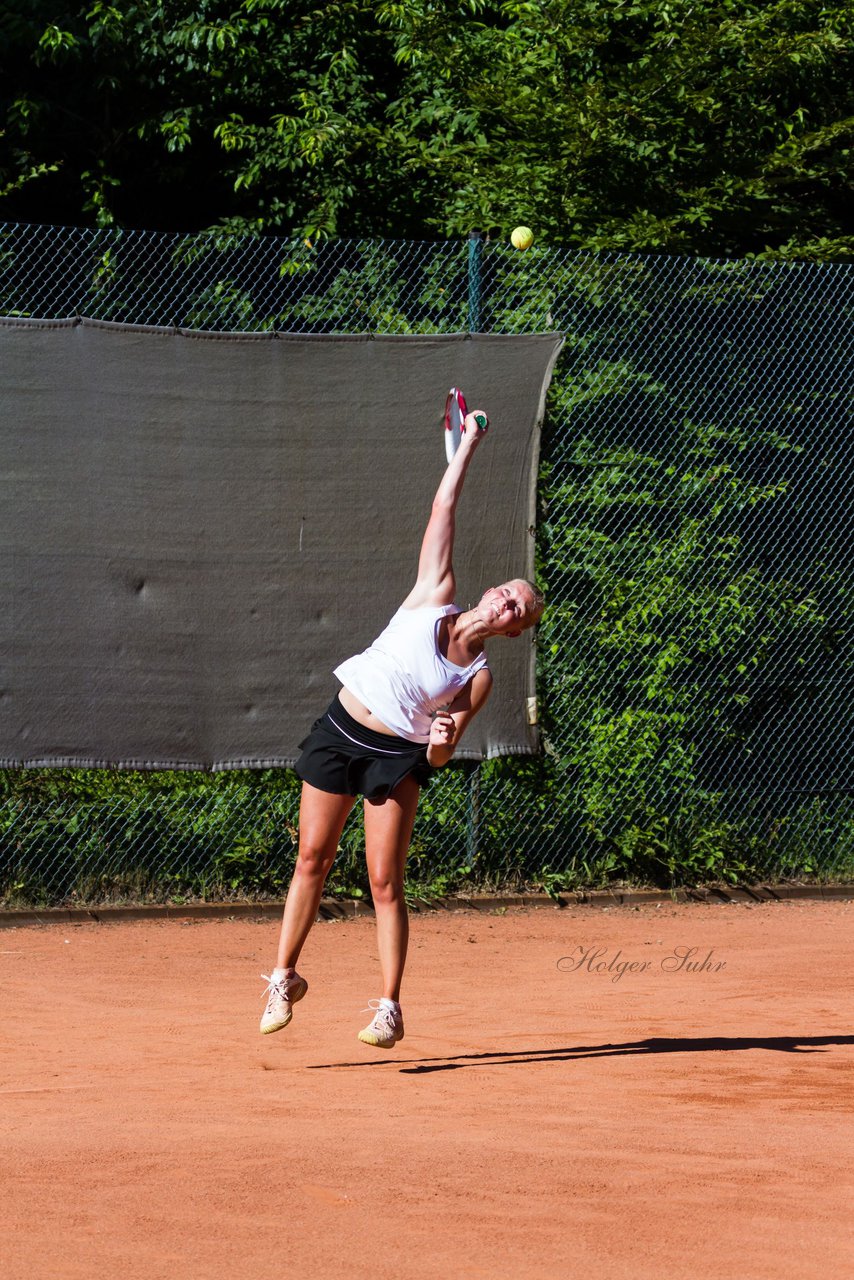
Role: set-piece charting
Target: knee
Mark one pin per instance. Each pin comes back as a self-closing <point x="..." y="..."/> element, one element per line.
<point x="387" y="890"/>
<point x="314" y="860"/>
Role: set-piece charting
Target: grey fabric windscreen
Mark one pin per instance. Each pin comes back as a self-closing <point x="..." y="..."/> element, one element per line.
<point x="195" y="529"/>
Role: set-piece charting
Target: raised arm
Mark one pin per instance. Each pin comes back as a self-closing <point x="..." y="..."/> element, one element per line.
<point x="435" y="583"/>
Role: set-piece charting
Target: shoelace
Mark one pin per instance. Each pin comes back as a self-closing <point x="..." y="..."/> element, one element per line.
<point x="279" y="988"/>
<point x="382" y="1014"/>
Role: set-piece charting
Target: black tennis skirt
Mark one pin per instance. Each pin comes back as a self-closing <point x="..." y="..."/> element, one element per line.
<point x="343" y="757"/>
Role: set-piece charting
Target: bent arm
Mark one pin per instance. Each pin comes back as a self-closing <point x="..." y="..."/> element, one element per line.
<point x="435" y="583"/>
<point x="449" y="726"/>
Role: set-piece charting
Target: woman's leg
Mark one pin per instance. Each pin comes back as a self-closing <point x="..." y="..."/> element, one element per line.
<point x="388" y="831"/>
<point x="321" y="821"/>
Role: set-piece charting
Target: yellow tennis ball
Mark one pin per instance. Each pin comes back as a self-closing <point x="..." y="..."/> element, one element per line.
<point x="522" y="238"/>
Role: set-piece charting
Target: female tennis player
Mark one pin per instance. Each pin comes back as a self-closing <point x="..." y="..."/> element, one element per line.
<point x="403" y="708"/>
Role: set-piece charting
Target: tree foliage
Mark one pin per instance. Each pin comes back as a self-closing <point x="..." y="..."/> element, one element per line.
<point x="680" y="126"/>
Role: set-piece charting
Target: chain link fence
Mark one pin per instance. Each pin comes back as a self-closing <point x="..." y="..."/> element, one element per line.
<point x="695" y="660"/>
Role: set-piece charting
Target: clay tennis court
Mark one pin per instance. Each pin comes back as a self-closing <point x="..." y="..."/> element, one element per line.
<point x="569" y="1100"/>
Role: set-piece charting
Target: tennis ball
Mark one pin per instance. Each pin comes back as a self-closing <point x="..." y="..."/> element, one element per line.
<point x="522" y="238"/>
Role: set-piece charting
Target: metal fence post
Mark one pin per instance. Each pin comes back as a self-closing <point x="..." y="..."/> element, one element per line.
<point x="475" y="255"/>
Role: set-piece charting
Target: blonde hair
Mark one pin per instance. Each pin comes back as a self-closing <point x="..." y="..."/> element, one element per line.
<point x="539" y="601"/>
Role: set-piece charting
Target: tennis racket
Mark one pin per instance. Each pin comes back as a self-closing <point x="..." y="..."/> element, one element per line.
<point x="455" y="416"/>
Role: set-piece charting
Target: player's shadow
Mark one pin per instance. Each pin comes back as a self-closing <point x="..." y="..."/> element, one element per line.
<point x="520" y="1057"/>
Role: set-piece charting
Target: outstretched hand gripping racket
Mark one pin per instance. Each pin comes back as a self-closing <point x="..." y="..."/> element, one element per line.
<point x="455" y="416"/>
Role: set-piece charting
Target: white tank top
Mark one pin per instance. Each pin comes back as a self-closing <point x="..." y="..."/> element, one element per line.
<point x="403" y="677"/>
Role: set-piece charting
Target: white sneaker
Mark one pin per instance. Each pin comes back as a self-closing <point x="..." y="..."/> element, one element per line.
<point x="387" y="1026"/>
<point x="282" y="993"/>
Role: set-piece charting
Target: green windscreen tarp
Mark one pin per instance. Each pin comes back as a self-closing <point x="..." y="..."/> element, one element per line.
<point x="195" y="529"/>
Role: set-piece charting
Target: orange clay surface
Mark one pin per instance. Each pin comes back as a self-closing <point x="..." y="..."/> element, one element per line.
<point x="539" y="1120"/>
